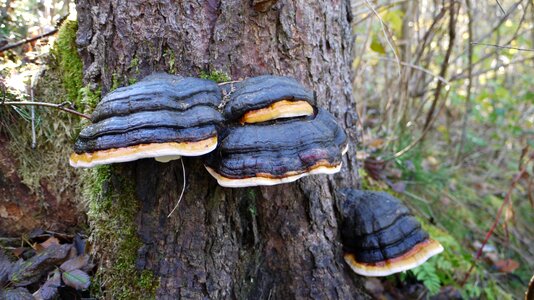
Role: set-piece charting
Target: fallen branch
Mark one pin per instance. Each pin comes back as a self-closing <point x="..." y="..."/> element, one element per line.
<point x="60" y="106"/>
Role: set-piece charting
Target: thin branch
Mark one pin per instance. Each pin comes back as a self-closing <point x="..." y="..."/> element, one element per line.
<point x="183" y="189"/>
<point x="500" y="6"/>
<point x="419" y="68"/>
<point x="423" y="134"/>
<point x="34" y="134"/>
<point x="60" y="106"/>
<point x="445" y="64"/>
<point x="29" y="40"/>
<point x="462" y="76"/>
<point x="469" y="81"/>
<point x="504" y="47"/>
<point x="495" y="28"/>
<point x="385" y="34"/>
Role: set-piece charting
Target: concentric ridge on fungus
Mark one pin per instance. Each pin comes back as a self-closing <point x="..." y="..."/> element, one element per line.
<point x="278" y="152"/>
<point x="163" y="116"/>
<point x="380" y="235"/>
<point x="268" y="97"/>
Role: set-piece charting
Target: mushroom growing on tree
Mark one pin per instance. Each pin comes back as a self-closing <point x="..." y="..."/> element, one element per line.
<point x="380" y="235"/>
<point x="268" y="97"/>
<point x="216" y="246"/>
<point x="276" y="152"/>
<point x="163" y="116"/>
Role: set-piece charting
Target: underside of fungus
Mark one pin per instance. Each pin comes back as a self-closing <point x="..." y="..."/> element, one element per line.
<point x="380" y="235"/>
<point x="268" y="97"/>
<point x="278" y="152"/>
<point x="163" y="117"/>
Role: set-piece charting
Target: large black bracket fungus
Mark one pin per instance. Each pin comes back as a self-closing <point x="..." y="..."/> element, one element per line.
<point x="277" y="152"/>
<point x="380" y="235"/>
<point x="268" y="97"/>
<point x="157" y="92"/>
<point x="163" y="116"/>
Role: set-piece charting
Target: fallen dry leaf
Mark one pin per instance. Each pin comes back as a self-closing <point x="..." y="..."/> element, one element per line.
<point x="49" y="242"/>
<point x="507" y="265"/>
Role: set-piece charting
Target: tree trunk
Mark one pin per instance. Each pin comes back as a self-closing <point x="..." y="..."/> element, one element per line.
<point x="275" y="242"/>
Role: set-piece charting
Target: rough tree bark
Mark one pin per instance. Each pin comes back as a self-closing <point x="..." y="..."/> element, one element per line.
<point x="271" y="242"/>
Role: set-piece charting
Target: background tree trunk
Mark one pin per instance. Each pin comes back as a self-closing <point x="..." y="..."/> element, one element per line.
<point x="271" y="242"/>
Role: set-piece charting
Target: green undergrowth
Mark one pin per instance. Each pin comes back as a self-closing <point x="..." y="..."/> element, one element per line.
<point x="112" y="209"/>
<point x="59" y="82"/>
<point x="457" y="207"/>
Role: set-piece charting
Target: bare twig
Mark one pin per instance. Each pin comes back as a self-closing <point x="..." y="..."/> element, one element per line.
<point x="183" y="189"/>
<point x="421" y="137"/>
<point x="469" y="81"/>
<point x="445" y="64"/>
<point x="385" y="34"/>
<point x="504" y="47"/>
<point x="29" y="40"/>
<point x="59" y="106"/>
<point x="34" y="134"/>
<point x="419" y="68"/>
<point x="500" y="6"/>
<point x="462" y="76"/>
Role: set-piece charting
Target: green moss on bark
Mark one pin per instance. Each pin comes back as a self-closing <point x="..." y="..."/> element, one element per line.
<point x="68" y="61"/>
<point x="217" y="76"/>
<point x="112" y="211"/>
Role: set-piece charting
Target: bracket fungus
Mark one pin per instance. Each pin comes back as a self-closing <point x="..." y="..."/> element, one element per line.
<point x="268" y="97"/>
<point x="380" y="235"/>
<point x="279" y="151"/>
<point x="163" y="116"/>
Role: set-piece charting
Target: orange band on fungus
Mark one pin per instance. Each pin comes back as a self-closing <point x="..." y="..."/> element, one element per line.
<point x="278" y="110"/>
<point x="322" y="167"/>
<point x="415" y="257"/>
<point x="130" y="153"/>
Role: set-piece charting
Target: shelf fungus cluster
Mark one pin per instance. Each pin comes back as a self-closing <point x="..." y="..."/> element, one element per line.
<point x="274" y="135"/>
<point x="162" y="116"/>
<point x="380" y="235"/>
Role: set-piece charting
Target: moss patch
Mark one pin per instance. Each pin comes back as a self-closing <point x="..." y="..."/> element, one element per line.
<point x="217" y="76"/>
<point x="68" y="62"/>
<point x="59" y="83"/>
<point x="112" y="211"/>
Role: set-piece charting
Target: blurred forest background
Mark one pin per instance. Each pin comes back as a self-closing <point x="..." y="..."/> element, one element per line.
<point x="445" y="95"/>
